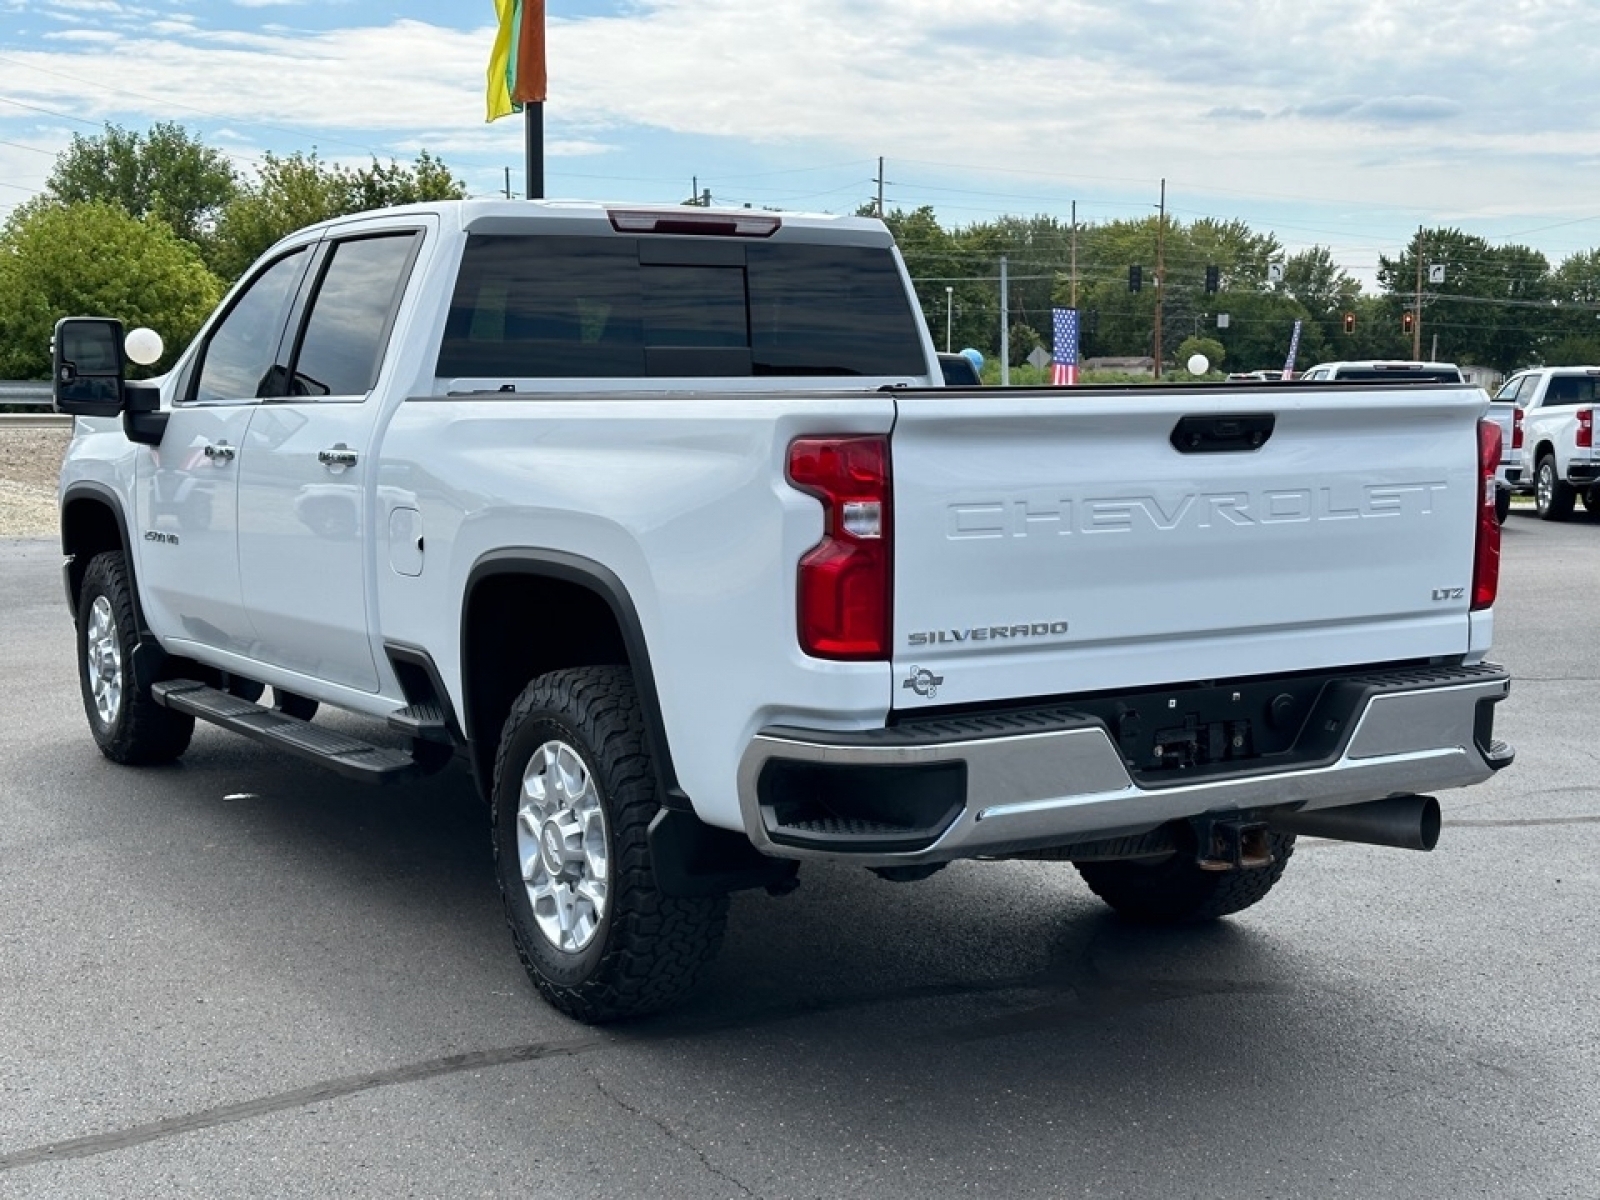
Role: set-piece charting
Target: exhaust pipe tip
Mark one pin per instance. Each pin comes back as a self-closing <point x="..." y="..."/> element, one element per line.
<point x="1403" y="822"/>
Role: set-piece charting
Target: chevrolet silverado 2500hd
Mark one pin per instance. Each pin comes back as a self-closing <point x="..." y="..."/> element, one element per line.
<point x="658" y="520"/>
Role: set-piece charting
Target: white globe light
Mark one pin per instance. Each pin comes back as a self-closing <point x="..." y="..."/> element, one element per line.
<point x="143" y="345"/>
<point x="1199" y="364"/>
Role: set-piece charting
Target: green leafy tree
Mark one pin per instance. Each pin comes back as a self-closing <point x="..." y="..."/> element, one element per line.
<point x="296" y="190"/>
<point x="1574" y="320"/>
<point x="1491" y="309"/>
<point x="1213" y="350"/>
<point x="94" y="259"/>
<point x="165" y="173"/>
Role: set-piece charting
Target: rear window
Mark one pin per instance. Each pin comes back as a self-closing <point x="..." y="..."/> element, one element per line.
<point x="581" y="307"/>
<point x="1398" y="375"/>
<point x="1563" y="390"/>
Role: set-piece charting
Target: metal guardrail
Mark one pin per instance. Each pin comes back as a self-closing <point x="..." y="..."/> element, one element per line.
<point x="29" y="393"/>
<point x="34" y="396"/>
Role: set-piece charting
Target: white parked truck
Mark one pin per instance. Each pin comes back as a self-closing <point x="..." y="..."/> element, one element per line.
<point x="1552" y="414"/>
<point x="659" y="521"/>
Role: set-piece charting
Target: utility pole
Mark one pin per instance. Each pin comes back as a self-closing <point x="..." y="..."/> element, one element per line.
<point x="508" y="183"/>
<point x="694" y="189"/>
<point x="1005" y="326"/>
<point x="880" y="187"/>
<point x="1161" y="248"/>
<point x="1416" y="312"/>
<point x="1075" y="255"/>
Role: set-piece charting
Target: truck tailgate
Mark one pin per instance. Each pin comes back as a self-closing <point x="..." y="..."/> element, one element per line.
<point x="1050" y="542"/>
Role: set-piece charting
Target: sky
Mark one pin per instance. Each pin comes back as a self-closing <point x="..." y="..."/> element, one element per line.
<point x="1337" y="123"/>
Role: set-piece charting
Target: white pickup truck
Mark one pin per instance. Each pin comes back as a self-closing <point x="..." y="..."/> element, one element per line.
<point x="1553" y="437"/>
<point x="659" y="521"/>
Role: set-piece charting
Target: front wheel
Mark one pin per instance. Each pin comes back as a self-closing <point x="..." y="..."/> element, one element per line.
<point x="127" y="724"/>
<point x="1177" y="892"/>
<point x="1552" y="496"/>
<point x="574" y="793"/>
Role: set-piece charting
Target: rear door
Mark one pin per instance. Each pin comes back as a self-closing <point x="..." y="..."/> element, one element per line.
<point x="1067" y="542"/>
<point x="305" y="490"/>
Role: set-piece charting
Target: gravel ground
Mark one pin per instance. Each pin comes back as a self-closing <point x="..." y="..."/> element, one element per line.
<point x="30" y="461"/>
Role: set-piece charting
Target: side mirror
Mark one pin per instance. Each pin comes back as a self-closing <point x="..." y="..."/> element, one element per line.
<point x="87" y="361"/>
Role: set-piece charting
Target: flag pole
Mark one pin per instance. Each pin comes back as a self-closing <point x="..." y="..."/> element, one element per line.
<point x="533" y="125"/>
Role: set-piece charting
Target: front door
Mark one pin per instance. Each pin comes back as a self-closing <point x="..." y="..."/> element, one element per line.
<point x="187" y="488"/>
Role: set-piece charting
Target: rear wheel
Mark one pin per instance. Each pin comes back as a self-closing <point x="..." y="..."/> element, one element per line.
<point x="574" y="793"/>
<point x="127" y="724"/>
<point x="1552" y="496"/>
<point x="1176" y="891"/>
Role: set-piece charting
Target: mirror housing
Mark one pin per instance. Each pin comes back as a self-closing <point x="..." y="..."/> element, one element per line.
<point x="87" y="367"/>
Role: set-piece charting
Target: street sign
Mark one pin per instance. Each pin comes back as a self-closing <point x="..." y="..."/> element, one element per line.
<point x="1039" y="357"/>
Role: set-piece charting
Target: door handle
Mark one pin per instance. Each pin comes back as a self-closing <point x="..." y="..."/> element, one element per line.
<point x="337" y="456"/>
<point x="219" y="452"/>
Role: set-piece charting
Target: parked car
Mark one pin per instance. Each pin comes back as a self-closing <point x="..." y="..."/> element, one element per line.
<point x="1385" y="371"/>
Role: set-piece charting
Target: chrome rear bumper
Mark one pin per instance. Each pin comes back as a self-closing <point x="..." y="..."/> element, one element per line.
<point x="1020" y="781"/>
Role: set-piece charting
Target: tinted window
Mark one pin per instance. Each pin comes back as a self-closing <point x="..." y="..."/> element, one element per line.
<point x="1563" y="390"/>
<point x="345" y="334"/>
<point x="240" y="353"/>
<point x="1397" y="375"/>
<point x="572" y="307"/>
<point x="958" y="371"/>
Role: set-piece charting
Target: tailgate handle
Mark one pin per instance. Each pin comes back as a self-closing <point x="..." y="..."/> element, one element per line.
<point x="1222" y="434"/>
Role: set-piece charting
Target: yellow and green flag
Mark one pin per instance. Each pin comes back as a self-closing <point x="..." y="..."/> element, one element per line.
<point x="516" y="64"/>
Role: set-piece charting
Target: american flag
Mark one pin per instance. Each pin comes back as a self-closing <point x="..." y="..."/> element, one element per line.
<point x="1064" y="362"/>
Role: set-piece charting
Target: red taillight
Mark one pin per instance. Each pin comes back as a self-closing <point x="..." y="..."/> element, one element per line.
<point x="1586" y="428"/>
<point x="1486" y="552"/>
<point x="1516" y="429"/>
<point x="844" y="579"/>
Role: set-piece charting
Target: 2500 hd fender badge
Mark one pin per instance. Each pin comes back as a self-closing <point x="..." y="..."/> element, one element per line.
<point x="986" y="633"/>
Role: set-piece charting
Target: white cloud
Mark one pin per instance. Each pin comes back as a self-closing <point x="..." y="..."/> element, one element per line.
<point x="1476" y="106"/>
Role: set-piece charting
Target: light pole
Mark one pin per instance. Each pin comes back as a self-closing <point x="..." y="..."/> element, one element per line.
<point x="949" y="310"/>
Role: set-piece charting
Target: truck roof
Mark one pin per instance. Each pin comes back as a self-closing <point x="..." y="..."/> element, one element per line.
<point x="594" y="217"/>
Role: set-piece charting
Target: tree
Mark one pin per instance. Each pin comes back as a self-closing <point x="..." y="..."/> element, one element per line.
<point x="1574" y="323"/>
<point x="93" y="258"/>
<point x="1492" y="307"/>
<point x="1208" y="346"/>
<point x="165" y="174"/>
<point x="297" y="190"/>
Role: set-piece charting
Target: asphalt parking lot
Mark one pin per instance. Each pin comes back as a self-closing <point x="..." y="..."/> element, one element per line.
<point x="241" y="976"/>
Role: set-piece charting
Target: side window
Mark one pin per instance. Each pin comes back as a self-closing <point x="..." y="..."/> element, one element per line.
<point x="1512" y="387"/>
<point x="355" y="303"/>
<point x="237" y="363"/>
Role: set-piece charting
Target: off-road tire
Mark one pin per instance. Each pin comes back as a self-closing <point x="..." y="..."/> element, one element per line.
<point x="137" y="731"/>
<point x="1553" y="497"/>
<point x="648" y="950"/>
<point x="1177" y="892"/>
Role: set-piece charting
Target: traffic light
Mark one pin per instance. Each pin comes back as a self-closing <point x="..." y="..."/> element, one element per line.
<point x="1349" y="322"/>
<point x="1212" y="275"/>
<point x="1135" y="278"/>
<point x="1407" y="320"/>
